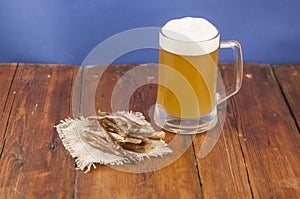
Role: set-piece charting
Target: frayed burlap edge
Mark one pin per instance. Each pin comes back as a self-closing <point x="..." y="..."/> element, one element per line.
<point x="85" y="156"/>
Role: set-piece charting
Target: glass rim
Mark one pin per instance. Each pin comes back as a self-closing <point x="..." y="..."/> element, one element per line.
<point x="191" y="41"/>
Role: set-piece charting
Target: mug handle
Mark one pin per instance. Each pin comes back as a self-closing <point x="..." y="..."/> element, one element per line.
<point x="238" y="68"/>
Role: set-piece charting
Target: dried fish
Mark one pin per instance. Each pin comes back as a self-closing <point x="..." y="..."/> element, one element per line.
<point x="97" y="141"/>
<point x="148" y="134"/>
<point x="111" y="140"/>
<point x="124" y="132"/>
<point x="110" y="125"/>
<point x="132" y="140"/>
<point x="140" y="148"/>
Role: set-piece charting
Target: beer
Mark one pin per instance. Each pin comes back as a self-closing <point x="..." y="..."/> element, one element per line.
<point x="187" y="75"/>
<point x="197" y="99"/>
<point x="188" y="66"/>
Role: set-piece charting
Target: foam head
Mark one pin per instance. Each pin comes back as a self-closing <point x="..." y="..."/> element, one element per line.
<point x="189" y="36"/>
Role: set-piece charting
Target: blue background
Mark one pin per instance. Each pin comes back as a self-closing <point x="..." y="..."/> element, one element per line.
<point x="65" y="31"/>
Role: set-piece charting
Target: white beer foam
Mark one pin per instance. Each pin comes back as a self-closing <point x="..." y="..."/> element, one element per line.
<point x="189" y="36"/>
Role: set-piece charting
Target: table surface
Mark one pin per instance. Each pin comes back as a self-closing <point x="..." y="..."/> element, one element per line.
<point x="256" y="154"/>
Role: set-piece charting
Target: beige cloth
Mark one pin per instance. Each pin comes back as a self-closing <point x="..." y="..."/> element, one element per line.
<point x="69" y="130"/>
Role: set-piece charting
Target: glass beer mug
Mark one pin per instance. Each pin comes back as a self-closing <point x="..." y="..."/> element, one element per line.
<point x="187" y="75"/>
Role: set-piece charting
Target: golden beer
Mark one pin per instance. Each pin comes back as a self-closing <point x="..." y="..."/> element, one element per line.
<point x="193" y="100"/>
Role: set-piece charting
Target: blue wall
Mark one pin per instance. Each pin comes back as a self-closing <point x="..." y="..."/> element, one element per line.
<point x="65" y="31"/>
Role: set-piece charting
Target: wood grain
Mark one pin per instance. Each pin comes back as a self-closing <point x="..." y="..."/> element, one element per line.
<point x="268" y="135"/>
<point x="7" y="73"/>
<point x="256" y="155"/>
<point x="288" y="76"/>
<point x="223" y="171"/>
<point x="34" y="163"/>
<point x="6" y="77"/>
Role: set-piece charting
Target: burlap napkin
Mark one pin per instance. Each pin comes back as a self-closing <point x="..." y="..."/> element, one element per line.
<point x="73" y="131"/>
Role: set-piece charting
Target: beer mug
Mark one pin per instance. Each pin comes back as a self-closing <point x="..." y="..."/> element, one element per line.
<point x="187" y="75"/>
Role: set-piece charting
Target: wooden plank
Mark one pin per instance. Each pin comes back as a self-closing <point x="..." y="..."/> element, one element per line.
<point x="178" y="180"/>
<point x="223" y="171"/>
<point x="7" y="72"/>
<point x="34" y="163"/>
<point x="288" y="76"/>
<point x="268" y="135"/>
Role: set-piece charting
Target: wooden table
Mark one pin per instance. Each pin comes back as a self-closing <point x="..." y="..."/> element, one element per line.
<point x="256" y="156"/>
